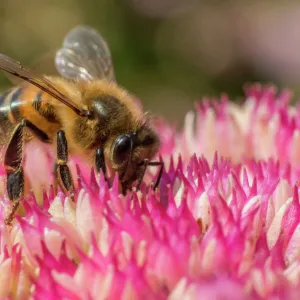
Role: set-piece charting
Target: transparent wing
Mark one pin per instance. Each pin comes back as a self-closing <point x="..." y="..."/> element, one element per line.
<point x="16" y="69"/>
<point x="84" y="55"/>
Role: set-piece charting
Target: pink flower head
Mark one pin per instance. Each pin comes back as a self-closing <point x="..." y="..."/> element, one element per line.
<point x="224" y="223"/>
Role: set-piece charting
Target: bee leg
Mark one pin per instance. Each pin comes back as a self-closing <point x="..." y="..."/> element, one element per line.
<point x="62" y="170"/>
<point x="14" y="171"/>
<point x="161" y="165"/>
<point x="100" y="162"/>
<point x="13" y="163"/>
<point x="146" y="164"/>
<point x="140" y="179"/>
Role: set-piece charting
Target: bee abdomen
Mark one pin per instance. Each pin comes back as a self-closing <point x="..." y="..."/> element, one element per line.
<point x="15" y="102"/>
<point x="45" y="110"/>
<point x="6" y="125"/>
<point x="26" y="103"/>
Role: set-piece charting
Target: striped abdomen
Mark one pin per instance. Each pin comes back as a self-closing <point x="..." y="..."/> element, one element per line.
<point x="31" y="104"/>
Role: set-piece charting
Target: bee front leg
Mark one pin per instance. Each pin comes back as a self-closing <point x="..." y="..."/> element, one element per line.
<point x="14" y="171"/>
<point x="100" y="162"/>
<point x="62" y="170"/>
<point x="159" y="164"/>
<point x="146" y="164"/>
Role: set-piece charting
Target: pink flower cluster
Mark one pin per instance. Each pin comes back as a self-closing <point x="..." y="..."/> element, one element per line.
<point x="224" y="224"/>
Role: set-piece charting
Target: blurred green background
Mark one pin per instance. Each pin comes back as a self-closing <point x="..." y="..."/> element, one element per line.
<point x="169" y="53"/>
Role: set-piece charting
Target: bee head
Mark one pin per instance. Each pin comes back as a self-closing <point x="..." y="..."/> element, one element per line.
<point x="130" y="150"/>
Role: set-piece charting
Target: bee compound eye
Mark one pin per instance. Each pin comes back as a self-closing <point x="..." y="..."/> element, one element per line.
<point x="122" y="149"/>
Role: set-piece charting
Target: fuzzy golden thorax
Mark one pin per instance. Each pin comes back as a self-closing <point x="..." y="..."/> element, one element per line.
<point x="112" y="111"/>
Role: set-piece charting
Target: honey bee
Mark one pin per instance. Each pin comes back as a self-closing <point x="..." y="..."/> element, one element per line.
<point x="83" y="112"/>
